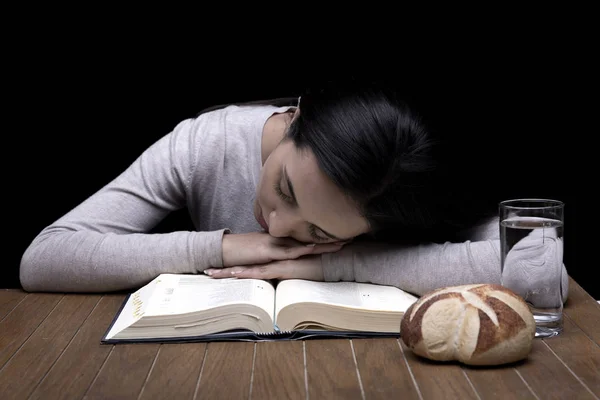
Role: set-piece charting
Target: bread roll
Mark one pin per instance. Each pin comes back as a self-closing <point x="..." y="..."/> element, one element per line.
<point x="481" y="324"/>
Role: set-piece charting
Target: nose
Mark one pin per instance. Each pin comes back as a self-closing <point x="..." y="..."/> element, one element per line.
<point x="281" y="224"/>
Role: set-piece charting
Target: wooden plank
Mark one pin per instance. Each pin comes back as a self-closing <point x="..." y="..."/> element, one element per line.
<point x="76" y="368"/>
<point x="9" y="298"/>
<point x="175" y="372"/>
<point x="579" y="353"/>
<point x="227" y="371"/>
<point x="331" y="371"/>
<point x="498" y="382"/>
<point x="548" y="377"/>
<point x="21" y="374"/>
<point x="279" y="371"/>
<point x="437" y="380"/>
<point x="124" y="372"/>
<point x="383" y="370"/>
<point x="583" y="310"/>
<point x="23" y="321"/>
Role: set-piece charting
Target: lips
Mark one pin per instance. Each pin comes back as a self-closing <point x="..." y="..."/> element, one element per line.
<point x="262" y="221"/>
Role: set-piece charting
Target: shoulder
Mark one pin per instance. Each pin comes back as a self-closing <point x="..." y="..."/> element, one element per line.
<point x="236" y="125"/>
<point x="230" y="135"/>
<point x="215" y="129"/>
<point x="241" y="117"/>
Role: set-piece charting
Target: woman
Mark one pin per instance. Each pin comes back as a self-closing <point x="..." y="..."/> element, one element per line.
<point x="347" y="183"/>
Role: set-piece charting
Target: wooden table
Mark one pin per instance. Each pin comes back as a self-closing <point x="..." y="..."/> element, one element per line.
<point x="50" y="349"/>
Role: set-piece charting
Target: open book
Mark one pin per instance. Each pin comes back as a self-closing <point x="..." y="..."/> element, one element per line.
<point x="184" y="307"/>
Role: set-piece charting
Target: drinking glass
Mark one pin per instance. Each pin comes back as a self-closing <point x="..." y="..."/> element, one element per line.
<point x="531" y="241"/>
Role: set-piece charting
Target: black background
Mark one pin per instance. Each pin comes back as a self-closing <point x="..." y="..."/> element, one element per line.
<point x="80" y="113"/>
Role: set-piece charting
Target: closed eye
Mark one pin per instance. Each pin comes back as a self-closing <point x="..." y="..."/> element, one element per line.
<point x="291" y="199"/>
<point x="283" y="196"/>
<point x="313" y="233"/>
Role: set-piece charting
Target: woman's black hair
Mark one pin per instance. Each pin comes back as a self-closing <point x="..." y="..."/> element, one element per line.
<point x="388" y="159"/>
<point x="385" y="156"/>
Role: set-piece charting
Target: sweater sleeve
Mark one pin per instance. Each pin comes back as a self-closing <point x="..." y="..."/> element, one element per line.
<point x="103" y="245"/>
<point x="421" y="268"/>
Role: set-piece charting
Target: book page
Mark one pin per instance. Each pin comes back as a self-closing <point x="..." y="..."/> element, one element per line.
<point x="135" y="307"/>
<point x="344" y="294"/>
<point x="177" y="294"/>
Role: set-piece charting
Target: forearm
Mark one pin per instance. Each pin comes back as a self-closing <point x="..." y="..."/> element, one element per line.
<point x="422" y="268"/>
<point x="416" y="269"/>
<point x="103" y="244"/>
<point x="84" y="261"/>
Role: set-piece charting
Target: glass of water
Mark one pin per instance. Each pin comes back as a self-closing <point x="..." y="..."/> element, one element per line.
<point x="531" y="241"/>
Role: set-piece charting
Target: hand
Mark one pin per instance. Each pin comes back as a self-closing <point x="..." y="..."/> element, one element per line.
<point x="308" y="267"/>
<point x="262" y="248"/>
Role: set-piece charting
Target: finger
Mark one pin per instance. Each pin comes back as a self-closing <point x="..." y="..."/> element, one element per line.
<point x="304" y="268"/>
<point x="266" y="271"/>
<point x="304" y="250"/>
<point x="285" y="242"/>
<point x="258" y="272"/>
<point x="219" y="273"/>
<point x="328" y="247"/>
<point x="290" y="253"/>
<point x="274" y="270"/>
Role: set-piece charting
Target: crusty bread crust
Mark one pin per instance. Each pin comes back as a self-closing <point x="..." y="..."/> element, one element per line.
<point x="483" y="324"/>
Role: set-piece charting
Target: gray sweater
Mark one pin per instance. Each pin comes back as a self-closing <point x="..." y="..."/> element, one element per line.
<point x="211" y="164"/>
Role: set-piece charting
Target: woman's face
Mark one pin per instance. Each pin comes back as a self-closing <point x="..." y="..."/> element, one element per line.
<point x="295" y="199"/>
